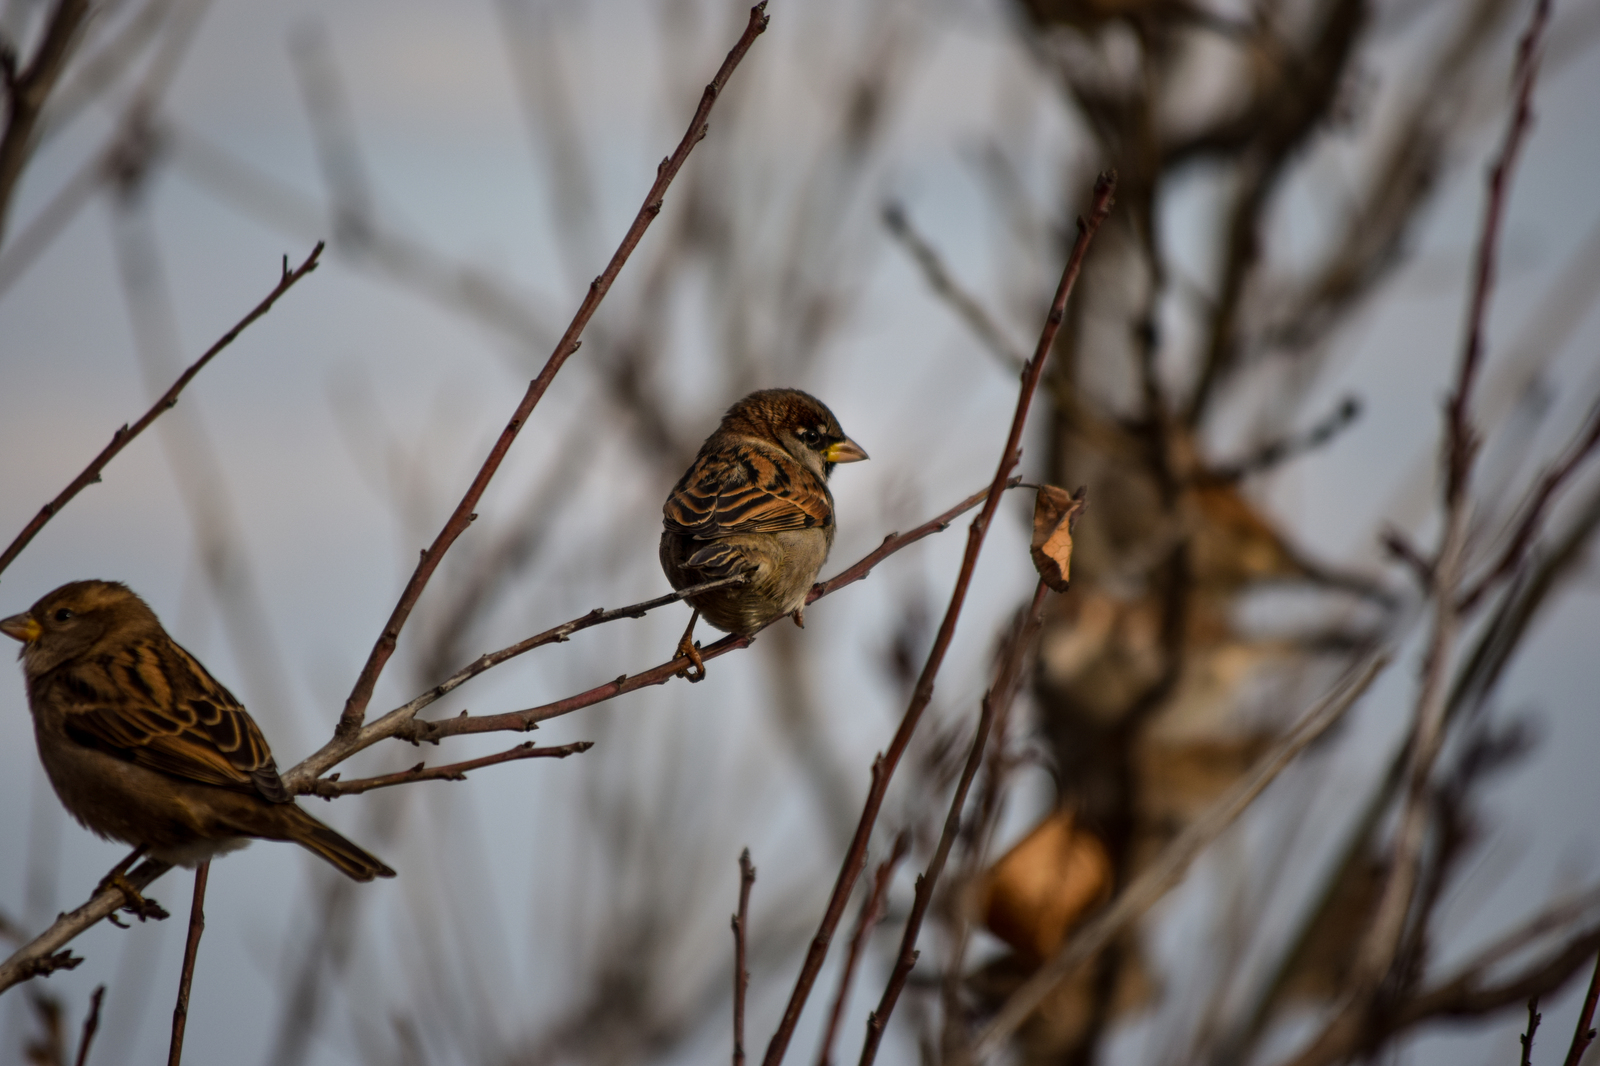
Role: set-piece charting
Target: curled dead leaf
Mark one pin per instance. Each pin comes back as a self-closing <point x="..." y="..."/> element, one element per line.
<point x="1055" y="512"/>
<point x="1039" y="891"/>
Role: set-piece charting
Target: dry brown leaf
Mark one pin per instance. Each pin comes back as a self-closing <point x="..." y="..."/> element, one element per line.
<point x="1041" y="888"/>
<point x="1055" y="512"/>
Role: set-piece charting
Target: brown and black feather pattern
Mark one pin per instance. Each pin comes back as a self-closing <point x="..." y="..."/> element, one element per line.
<point x="143" y="745"/>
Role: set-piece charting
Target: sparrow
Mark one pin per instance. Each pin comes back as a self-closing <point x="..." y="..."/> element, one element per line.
<point x="144" y="746"/>
<point x="755" y="505"/>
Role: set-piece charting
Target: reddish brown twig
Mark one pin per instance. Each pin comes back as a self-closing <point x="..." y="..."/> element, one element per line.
<point x="1526" y="1039"/>
<point x="191" y="948"/>
<point x="884" y="767"/>
<point x="355" y="707"/>
<point x="1462" y="441"/>
<point x="401" y="722"/>
<point x="872" y="910"/>
<point x="1007" y="677"/>
<point x="1381" y="943"/>
<point x="1533" y="512"/>
<point x="90" y="1025"/>
<point x="331" y="787"/>
<point x="1583" y="1034"/>
<point x="741" y="973"/>
<point x="124" y="436"/>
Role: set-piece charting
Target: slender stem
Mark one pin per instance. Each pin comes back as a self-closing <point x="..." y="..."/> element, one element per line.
<point x="331" y="787"/>
<point x="1584" y="1033"/>
<point x="872" y="909"/>
<point x="741" y="972"/>
<point x="124" y="436"/>
<point x="355" y="707"/>
<point x="1526" y="1039"/>
<point x="191" y="948"/>
<point x="995" y="701"/>
<point x="90" y="1025"/>
<point x="885" y="766"/>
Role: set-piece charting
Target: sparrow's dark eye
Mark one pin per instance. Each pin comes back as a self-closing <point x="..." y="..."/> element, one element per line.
<point x="63" y="614"/>
<point x="810" y="436"/>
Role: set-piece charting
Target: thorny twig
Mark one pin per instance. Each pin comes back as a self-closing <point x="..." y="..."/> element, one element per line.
<point x="884" y="767"/>
<point x="1526" y="1038"/>
<point x="355" y="708"/>
<point x="124" y="436"/>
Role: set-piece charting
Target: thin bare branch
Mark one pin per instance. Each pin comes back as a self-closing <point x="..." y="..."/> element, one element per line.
<point x="872" y="911"/>
<point x="331" y="787"/>
<point x="1583" y="1033"/>
<point x="1173" y="863"/>
<point x="741" y="936"/>
<point x="91" y="1024"/>
<point x="995" y="702"/>
<point x="191" y="949"/>
<point x="124" y="436"/>
<point x="355" y="708"/>
<point x="1526" y="1039"/>
<point x="884" y="766"/>
<point x="945" y="286"/>
<point x="1382" y="941"/>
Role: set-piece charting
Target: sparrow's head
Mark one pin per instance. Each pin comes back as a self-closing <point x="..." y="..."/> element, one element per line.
<point x="76" y="619"/>
<point x="799" y="423"/>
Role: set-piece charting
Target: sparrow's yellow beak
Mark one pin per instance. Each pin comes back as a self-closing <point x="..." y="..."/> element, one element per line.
<point x="846" y="451"/>
<point x="21" y="627"/>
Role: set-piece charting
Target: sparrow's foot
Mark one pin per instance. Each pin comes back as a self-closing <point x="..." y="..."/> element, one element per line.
<point x="135" y="904"/>
<point x="687" y="648"/>
<point x="799" y="616"/>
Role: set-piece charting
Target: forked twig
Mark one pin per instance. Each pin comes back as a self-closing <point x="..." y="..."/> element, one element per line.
<point x="355" y="707"/>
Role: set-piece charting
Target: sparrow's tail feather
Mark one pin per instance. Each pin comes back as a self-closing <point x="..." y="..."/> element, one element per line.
<point x="314" y="836"/>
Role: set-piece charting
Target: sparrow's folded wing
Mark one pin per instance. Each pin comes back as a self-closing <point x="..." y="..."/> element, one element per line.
<point x="154" y="704"/>
<point x="746" y="490"/>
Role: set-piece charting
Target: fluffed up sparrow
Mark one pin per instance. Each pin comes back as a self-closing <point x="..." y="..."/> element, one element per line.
<point x="755" y="502"/>
<point x="143" y="746"/>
